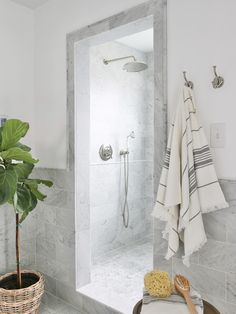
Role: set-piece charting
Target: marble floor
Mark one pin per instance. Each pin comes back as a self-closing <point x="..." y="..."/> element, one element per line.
<point x="58" y="307"/>
<point x="117" y="277"/>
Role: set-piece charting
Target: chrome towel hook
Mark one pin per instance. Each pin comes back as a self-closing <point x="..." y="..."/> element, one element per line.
<point x="187" y="83"/>
<point x="218" y="80"/>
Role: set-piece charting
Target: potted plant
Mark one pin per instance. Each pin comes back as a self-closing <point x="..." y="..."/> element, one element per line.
<point x="20" y="291"/>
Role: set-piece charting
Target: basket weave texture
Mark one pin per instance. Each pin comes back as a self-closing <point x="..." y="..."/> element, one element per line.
<point x="22" y="301"/>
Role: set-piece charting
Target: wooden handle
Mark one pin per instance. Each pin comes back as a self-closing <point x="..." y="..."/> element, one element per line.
<point x="191" y="306"/>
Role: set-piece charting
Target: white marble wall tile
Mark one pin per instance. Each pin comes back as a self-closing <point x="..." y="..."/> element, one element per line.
<point x="65" y="217"/>
<point x="50" y="284"/>
<point x="7" y="240"/>
<point x="65" y="255"/>
<point x="47" y="231"/>
<point x="108" y="232"/>
<point x="215" y="225"/>
<point x="218" y="255"/>
<point x="65" y="292"/>
<point x="46" y="265"/>
<point x="65" y="273"/>
<point x="46" y="213"/>
<point x="231" y="288"/>
<point x="230" y="221"/>
<point x="162" y="264"/>
<point x="104" y="184"/>
<point x="46" y="248"/>
<point x="202" y="278"/>
<point x="83" y="260"/>
<point x="61" y="178"/>
<point x="229" y="188"/>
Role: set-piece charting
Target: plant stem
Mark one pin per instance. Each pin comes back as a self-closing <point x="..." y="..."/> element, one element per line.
<point x="19" y="283"/>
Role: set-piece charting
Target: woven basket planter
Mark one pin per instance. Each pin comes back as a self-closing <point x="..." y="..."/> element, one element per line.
<point x="21" y="301"/>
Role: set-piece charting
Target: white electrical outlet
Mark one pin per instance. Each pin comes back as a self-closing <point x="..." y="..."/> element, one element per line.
<point x="217" y="135"/>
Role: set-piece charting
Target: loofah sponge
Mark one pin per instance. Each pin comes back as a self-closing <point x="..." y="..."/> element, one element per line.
<point x="158" y="284"/>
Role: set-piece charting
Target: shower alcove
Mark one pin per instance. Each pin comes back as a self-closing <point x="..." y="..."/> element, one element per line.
<point x="106" y="104"/>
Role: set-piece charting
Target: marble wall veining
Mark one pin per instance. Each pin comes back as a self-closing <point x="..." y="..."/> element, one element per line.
<point x="120" y="103"/>
<point x="60" y="247"/>
<point x="213" y="268"/>
<point x="7" y="240"/>
<point x="66" y="264"/>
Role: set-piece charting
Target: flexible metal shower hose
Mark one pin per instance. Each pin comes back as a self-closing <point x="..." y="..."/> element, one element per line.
<point x="125" y="213"/>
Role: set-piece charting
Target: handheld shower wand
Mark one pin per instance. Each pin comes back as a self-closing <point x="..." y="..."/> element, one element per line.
<point x="125" y="154"/>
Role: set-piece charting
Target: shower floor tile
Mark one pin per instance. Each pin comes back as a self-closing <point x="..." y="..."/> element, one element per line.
<point x="117" y="278"/>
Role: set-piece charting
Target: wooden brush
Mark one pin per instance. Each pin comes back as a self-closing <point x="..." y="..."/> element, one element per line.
<point x="183" y="287"/>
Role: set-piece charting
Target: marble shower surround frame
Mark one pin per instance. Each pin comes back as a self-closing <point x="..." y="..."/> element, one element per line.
<point x="78" y="107"/>
<point x="213" y="270"/>
<point x="62" y="252"/>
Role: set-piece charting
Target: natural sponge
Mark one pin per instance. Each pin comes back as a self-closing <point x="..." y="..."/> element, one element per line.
<point x="158" y="284"/>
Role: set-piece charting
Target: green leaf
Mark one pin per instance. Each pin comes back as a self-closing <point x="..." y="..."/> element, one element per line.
<point x="12" y="131"/>
<point x="23" y="170"/>
<point x="22" y="146"/>
<point x="39" y="181"/>
<point x="25" y="201"/>
<point x="18" y="154"/>
<point x="8" y="183"/>
<point x="34" y="189"/>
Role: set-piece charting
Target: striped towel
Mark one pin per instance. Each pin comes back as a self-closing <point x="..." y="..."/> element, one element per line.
<point x="174" y="298"/>
<point x="172" y="305"/>
<point x="188" y="185"/>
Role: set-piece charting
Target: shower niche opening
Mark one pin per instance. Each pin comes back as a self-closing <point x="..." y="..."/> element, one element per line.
<point x="115" y="114"/>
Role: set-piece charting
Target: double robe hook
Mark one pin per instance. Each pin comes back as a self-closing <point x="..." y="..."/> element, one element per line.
<point x="217" y="82"/>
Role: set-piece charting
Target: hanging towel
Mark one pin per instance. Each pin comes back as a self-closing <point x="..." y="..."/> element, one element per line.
<point x="188" y="186"/>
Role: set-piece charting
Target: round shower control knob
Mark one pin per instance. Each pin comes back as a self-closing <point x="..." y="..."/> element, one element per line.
<point x="105" y="152"/>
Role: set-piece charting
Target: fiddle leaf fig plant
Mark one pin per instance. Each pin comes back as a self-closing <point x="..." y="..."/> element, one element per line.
<point x="16" y="186"/>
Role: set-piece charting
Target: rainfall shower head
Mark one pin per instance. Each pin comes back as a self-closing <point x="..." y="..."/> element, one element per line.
<point x="133" y="66"/>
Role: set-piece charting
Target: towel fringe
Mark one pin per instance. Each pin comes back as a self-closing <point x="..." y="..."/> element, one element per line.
<point x="186" y="257"/>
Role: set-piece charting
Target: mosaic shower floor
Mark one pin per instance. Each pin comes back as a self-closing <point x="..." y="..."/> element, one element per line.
<point x="117" y="278"/>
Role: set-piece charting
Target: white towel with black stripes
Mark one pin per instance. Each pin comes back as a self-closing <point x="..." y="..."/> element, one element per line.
<point x="188" y="185"/>
<point x="175" y="304"/>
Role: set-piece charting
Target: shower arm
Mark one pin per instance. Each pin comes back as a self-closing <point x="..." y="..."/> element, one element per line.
<point x="105" y="61"/>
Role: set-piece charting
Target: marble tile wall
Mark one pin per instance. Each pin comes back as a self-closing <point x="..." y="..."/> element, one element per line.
<point x="7" y="240"/>
<point x="55" y="240"/>
<point x="213" y="268"/>
<point x="53" y="248"/>
<point x="120" y="103"/>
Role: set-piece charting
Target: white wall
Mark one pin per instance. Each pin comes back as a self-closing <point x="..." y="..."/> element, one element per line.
<point x="17" y="63"/>
<point x="52" y="22"/>
<point x="200" y="34"/>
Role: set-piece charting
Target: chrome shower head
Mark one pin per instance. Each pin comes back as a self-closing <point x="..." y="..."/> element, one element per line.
<point x="135" y="66"/>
